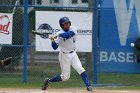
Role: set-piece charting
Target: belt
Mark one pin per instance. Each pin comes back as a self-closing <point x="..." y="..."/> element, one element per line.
<point x="68" y="52"/>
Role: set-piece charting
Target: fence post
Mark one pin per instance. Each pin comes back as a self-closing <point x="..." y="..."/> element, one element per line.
<point x="95" y="38"/>
<point x="25" y="41"/>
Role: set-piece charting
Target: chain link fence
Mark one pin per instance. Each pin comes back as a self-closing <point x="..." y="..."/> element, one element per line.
<point x="116" y="63"/>
<point x="39" y="64"/>
<point x="12" y="72"/>
<point x="45" y="64"/>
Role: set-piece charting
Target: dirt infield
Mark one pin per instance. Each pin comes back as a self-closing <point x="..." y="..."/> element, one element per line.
<point x="10" y="90"/>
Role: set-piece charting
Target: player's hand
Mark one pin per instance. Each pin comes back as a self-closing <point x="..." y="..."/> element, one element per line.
<point x="52" y="37"/>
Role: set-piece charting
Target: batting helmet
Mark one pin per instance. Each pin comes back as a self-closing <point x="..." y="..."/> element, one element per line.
<point x="64" y="20"/>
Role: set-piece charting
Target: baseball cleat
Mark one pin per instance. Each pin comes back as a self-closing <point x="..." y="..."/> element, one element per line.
<point x="89" y="89"/>
<point x="45" y="84"/>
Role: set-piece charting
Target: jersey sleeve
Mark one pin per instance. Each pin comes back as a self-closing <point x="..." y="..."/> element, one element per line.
<point x="72" y="31"/>
<point x="55" y="43"/>
<point x="57" y="39"/>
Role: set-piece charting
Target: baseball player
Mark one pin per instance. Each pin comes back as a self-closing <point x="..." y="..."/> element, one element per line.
<point x="66" y="39"/>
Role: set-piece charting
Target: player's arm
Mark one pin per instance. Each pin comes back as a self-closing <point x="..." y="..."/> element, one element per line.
<point x="54" y="40"/>
<point x="67" y="34"/>
<point x="54" y="45"/>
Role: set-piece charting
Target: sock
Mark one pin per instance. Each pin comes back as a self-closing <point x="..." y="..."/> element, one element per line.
<point x="85" y="79"/>
<point x="55" y="79"/>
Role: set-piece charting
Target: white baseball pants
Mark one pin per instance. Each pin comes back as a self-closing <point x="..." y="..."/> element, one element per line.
<point x="66" y="61"/>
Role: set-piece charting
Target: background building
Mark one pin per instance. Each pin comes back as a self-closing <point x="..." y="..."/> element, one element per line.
<point x="75" y="3"/>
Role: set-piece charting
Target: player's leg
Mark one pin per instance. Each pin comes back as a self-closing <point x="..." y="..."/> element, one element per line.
<point x="65" y="68"/>
<point x="57" y="78"/>
<point x="76" y="64"/>
<point x="65" y="64"/>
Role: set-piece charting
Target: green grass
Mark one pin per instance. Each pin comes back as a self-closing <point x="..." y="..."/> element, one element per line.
<point x="37" y="73"/>
<point x="35" y="77"/>
<point x="116" y="78"/>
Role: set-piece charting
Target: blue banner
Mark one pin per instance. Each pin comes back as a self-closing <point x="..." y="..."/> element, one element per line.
<point x="119" y="26"/>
